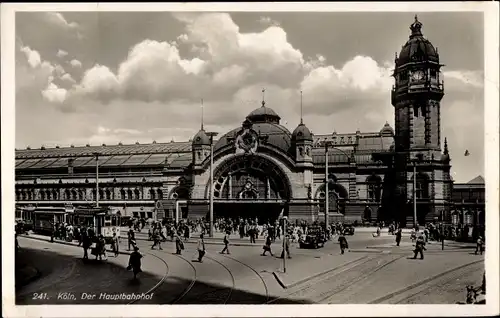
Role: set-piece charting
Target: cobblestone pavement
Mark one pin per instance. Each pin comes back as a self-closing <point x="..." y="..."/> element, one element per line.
<point x="384" y="275"/>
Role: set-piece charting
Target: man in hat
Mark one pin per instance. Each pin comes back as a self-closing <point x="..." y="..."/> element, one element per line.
<point x="201" y="248"/>
<point x="479" y="245"/>
<point x="287" y="247"/>
<point x="419" y="247"/>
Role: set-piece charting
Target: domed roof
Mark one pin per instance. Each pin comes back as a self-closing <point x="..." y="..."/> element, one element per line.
<point x="417" y="48"/>
<point x="387" y="130"/>
<point x="274" y="135"/>
<point x="301" y="133"/>
<point x="264" y="114"/>
<point x="201" y="138"/>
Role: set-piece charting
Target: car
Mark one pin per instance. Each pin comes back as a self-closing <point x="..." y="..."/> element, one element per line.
<point x="315" y="238"/>
<point x="349" y="230"/>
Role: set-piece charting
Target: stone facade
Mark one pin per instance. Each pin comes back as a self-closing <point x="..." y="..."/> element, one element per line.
<point x="262" y="167"/>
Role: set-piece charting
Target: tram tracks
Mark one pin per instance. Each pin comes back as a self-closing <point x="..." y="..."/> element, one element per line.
<point x="403" y="295"/>
<point x="201" y="292"/>
<point x="320" y="289"/>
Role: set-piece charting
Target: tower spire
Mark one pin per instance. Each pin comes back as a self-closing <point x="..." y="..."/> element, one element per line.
<point x="416" y="28"/>
<point x="202" y="114"/>
<point x="301" y="119"/>
<point x="445" y="146"/>
<point x="263" y="97"/>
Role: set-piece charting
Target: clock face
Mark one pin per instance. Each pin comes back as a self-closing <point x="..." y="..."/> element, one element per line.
<point x="418" y="76"/>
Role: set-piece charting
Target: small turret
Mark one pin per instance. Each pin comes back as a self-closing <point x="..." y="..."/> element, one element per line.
<point x="302" y="141"/>
<point x="446" y="154"/>
<point x="201" y="144"/>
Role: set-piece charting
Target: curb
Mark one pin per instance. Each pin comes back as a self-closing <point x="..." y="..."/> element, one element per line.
<point x="213" y="243"/>
<point x="66" y="243"/>
<point x="367" y="250"/>
<point x="285" y="286"/>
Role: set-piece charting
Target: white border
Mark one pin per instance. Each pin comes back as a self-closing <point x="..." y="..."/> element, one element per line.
<point x="491" y="27"/>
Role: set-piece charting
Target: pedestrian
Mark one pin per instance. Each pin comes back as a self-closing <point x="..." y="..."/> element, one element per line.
<point x="252" y="233"/>
<point x="100" y="249"/>
<point x="226" y="243"/>
<point x="156" y="240"/>
<point x="286" y="249"/>
<point x="413" y="236"/>
<point x="179" y="245"/>
<point x="479" y="245"/>
<point x="114" y="244"/>
<point x="134" y="262"/>
<point x="201" y="248"/>
<point x="267" y="246"/>
<point x="186" y="233"/>
<point x="426" y="235"/>
<point x="399" y="234"/>
<point x="131" y="238"/>
<point x="86" y="243"/>
<point x="343" y="243"/>
<point x="419" y="247"/>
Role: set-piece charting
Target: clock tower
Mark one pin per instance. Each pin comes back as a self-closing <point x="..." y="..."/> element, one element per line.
<point x="421" y="170"/>
<point x="416" y="95"/>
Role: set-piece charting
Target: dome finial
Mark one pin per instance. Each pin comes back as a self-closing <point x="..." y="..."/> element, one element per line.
<point x="301" y="121"/>
<point x="202" y="114"/>
<point x="263" y="97"/>
<point x="416" y="28"/>
<point x="445" y="146"/>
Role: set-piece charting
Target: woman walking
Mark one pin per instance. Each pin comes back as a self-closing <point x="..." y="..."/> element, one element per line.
<point x="343" y="243"/>
<point x="179" y="245"/>
<point x="114" y="244"/>
<point x="267" y="246"/>
<point x="134" y="262"/>
<point x="226" y="243"/>
<point x="399" y="234"/>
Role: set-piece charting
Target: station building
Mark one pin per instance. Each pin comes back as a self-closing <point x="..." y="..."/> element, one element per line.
<point x="261" y="168"/>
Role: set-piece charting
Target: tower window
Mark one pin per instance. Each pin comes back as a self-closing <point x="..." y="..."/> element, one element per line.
<point x="433" y="73"/>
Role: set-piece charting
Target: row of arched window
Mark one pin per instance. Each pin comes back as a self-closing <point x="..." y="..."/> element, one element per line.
<point x="81" y="194"/>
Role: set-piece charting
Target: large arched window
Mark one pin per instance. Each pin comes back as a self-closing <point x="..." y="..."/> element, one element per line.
<point x="137" y="194"/>
<point x="336" y="199"/>
<point x="455" y="217"/>
<point x="67" y="195"/>
<point x="152" y="194"/>
<point x="122" y="194"/>
<point x="55" y="194"/>
<point x="374" y="188"/>
<point x="160" y="194"/>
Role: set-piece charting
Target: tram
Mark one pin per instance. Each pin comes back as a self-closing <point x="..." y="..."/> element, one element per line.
<point x="101" y="220"/>
<point x="44" y="218"/>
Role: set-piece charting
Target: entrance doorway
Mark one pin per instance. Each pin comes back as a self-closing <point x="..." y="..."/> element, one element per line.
<point x="262" y="211"/>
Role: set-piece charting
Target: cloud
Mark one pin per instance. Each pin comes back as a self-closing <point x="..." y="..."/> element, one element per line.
<point x="54" y="94"/>
<point x="268" y="21"/>
<point x="76" y="63"/>
<point x="58" y="19"/>
<point x="67" y="77"/>
<point x="154" y="89"/>
<point x="32" y="56"/>
<point x="61" y="53"/>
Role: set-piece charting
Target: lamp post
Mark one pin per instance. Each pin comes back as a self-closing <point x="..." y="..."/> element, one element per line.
<point x="96" y="154"/>
<point x="211" y="196"/>
<point x="417" y="159"/>
<point x="284" y="243"/>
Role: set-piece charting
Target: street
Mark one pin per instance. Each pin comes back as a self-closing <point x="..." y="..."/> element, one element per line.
<point x="373" y="271"/>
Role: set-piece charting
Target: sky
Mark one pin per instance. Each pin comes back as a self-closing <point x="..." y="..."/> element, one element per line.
<point x="109" y="77"/>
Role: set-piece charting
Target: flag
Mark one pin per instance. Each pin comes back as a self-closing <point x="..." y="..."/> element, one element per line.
<point x="467" y="153"/>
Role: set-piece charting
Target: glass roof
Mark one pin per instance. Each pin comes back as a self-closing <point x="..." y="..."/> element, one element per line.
<point x="171" y="147"/>
<point x="135" y="160"/>
<point x="43" y="163"/>
<point x="156" y="159"/>
<point x="115" y="161"/>
<point x="27" y="163"/>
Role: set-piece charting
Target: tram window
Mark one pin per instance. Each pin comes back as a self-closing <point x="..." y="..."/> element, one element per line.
<point x="114" y="221"/>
